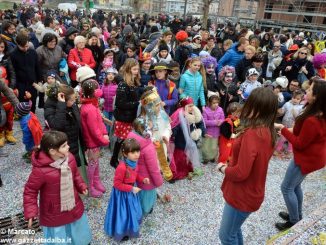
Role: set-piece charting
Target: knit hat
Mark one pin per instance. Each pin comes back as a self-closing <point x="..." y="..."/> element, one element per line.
<point x="23" y="108"/>
<point x="111" y="70"/>
<point x="203" y="54"/>
<point x="127" y="30"/>
<point x="281" y="81"/>
<point x="181" y="36"/>
<point x="51" y="73"/>
<point x="71" y="30"/>
<point x="196" y="37"/>
<point x="84" y="73"/>
<point x="294" y="47"/>
<point x="163" y="46"/>
<point x="252" y="71"/>
<point x="186" y="101"/>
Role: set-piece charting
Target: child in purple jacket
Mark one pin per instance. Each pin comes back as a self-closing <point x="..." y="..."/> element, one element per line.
<point x="109" y="89"/>
<point x="213" y="117"/>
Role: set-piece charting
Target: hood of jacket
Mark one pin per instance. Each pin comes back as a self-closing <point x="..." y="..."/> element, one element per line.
<point x="143" y="142"/>
<point x="41" y="159"/>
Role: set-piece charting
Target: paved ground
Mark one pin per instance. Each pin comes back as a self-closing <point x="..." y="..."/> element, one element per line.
<point x="194" y="214"/>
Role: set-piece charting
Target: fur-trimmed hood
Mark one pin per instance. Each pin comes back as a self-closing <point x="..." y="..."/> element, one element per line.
<point x="196" y="117"/>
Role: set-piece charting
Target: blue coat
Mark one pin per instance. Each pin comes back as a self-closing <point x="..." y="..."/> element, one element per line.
<point x="231" y="57"/>
<point x="192" y="85"/>
<point x="27" y="134"/>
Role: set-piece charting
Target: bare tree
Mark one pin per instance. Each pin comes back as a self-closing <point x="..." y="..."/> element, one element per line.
<point x="207" y="3"/>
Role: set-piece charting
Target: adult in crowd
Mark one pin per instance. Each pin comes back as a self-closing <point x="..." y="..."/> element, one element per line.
<point x="130" y="53"/>
<point x="67" y="43"/>
<point x="61" y="113"/>
<point x="27" y="69"/>
<point x="94" y="44"/>
<point x="308" y="139"/>
<point x="266" y="42"/>
<point x="227" y="87"/>
<point x="275" y="57"/>
<point x="245" y="177"/>
<point x="293" y="86"/>
<point x="226" y="45"/>
<point x="257" y="62"/>
<point x="196" y="45"/>
<point x="8" y="34"/>
<point x="48" y="28"/>
<point x="78" y="57"/>
<point x="233" y="56"/>
<point x="240" y="69"/>
<point x="129" y="37"/>
<point x="212" y="48"/>
<point x="300" y="66"/>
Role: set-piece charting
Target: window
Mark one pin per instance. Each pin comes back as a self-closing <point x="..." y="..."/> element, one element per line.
<point x="290" y="9"/>
<point x="324" y="22"/>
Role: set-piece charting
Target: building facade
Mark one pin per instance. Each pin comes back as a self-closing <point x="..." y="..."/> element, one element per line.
<point x="299" y="15"/>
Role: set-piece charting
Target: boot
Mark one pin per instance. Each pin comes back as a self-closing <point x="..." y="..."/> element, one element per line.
<point x="2" y="139"/>
<point x="284" y="226"/>
<point x="284" y="216"/>
<point x="114" y="162"/>
<point x="97" y="181"/>
<point x="10" y="137"/>
<point x="92" y="191"/>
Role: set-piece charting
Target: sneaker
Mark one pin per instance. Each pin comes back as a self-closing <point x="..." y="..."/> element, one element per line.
<point x="284" y="215"/>
<point x="284" y="226"/>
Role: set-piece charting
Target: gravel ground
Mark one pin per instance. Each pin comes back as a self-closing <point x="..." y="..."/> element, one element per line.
<point x="194" y="214"/>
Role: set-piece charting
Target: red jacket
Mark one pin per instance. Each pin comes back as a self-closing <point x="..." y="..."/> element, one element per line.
<point x="244" y="182"/>
<point x="309" y="143"/>
<point x="93" y="127"/>
<point x="147" y="163"/>
<point x="46" y="181"/>
<point x="125" y="177"/>
<point x="75" y="61"/>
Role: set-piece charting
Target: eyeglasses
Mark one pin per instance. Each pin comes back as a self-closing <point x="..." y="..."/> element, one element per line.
<point x="277" y="46"/>
<point x="230" y="76"/>
<point x="303" y="53"/>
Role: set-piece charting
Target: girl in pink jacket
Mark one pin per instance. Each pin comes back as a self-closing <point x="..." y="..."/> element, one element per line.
<point x="147" y="165"/>
<point x="94" y="133"/>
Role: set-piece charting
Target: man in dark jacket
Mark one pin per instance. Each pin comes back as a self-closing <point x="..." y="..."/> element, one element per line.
<point x="8" y="31"/>
<point x="68" y="42"/>
<point x="25" y="63"/>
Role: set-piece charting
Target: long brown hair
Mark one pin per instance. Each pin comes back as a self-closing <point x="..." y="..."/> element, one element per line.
<point x="260" y="110"/>
<point x="126" y="72"/>
<point x="318" y="107"/>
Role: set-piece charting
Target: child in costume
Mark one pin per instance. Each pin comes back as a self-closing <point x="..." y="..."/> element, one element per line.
<point x="6" y="131"/>
<point x="106" y="64"/>
<point x="165" y="88"/>
<point x="250" y="84"/>
<point x="210" y="65"/>
<point x="124" y="213"/>
<point x="109" y="90"/>
<point x="227" y="132"/>
<point x="147" y="164"/>
<point x="290" y="110"/>
<point x="50" y="81"/>
<point x="187" y="129"/>
<point x="64" y="71"/>
<point x="94" y="134"/>
<point x="56" y="178"/>
<point x="319" y="62"/>
<point x="151" y="105"/>
<point x="213" y="117"/>
<point x="31" y="127"/>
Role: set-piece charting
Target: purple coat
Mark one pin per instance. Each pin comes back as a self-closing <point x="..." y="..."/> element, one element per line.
<point x="147" y="163"/>
<point x="213" y="120"/>
<point x="163" y="90"/>
<point x="109" y="92"/>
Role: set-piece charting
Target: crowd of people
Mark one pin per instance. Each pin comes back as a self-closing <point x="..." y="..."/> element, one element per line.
<point x="164" y="96"/>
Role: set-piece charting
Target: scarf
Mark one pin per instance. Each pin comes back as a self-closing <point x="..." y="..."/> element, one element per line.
<point x="131" y="163"/>
<point x="67" y="195"/>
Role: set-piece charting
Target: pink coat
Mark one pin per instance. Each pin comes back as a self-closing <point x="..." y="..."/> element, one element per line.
<point x="213" y="120"/>
<point x="148" y="163"/>
<point x="93" y="127"/>
<point x="45" y="180"/>
<point x="109" y="92"/>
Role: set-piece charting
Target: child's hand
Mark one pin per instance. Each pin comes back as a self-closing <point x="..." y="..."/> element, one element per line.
<point x="85" y="192"/>
<point x="106" y="137"/>
<point x="27" y="95"/>
<point x="30" y="223"/>
<point x="146" y="181"/>
<point x="135" y="190"/>
<point x="208" y="136"/>
<point x="61" y="97"/>
<point x="34" y="85"/>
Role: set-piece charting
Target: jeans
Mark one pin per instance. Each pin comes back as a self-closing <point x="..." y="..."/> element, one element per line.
<point x="292" y="192"/>
<point x="230" y="231"/>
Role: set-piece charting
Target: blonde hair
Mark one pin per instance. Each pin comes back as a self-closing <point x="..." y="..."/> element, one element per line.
<point x="228" y="42"/>
<point x="126" y="72"/>
<point x="202" y="70"/>
<point x="251" y="48"/>
<point x="296" y="54"/>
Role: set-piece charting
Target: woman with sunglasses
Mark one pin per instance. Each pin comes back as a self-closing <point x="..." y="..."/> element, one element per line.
<point x="300" y="66"/>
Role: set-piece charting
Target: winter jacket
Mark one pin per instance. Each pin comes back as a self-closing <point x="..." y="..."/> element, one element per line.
<point x="213" y="121"/>
<point x="144" y="78"/>
<point x="226" y="92"/>
<point x="214" y="52"/>
<point x="241" y="68"/>
<point x="10" y="40"/>
<point x="147" y="163"/>
<point x="93" y="127"/>
<point x="182" y="53"/>
<point x="168" y="94"/>
<point x="231" y="58"/>
<point x="125" y="177"/>
<point x="67" y="120"/>
<point x="211" y="82"/>
<point x="126" y="103"/>
<point x="46" y="180"/>
<point x="77" y="59"/>
<point x="109" y="92"/>
<point x="49" y="59"/>
<point x="296" y="65"/>
<point x="192" y="85"/>
<point x="66" y="44"/>
<point x="11" y="75"/>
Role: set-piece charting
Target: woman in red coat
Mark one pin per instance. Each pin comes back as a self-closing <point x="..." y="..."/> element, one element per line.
<point x="308" y="138"/>
<point x="78" y="57"/>
<point x="245" y="177"/>
<point x="55" y="176"/>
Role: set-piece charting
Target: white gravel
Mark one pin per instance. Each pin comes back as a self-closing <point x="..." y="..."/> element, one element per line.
<point x="194" y="214"/>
